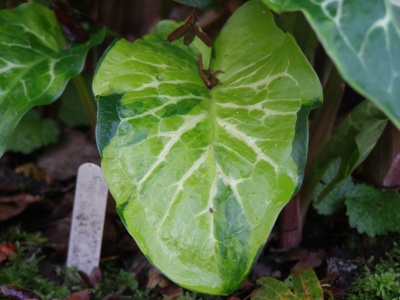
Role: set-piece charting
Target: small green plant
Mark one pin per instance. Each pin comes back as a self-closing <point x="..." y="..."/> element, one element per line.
<point x="21" y="268"/>
<point x="381" y="282"/>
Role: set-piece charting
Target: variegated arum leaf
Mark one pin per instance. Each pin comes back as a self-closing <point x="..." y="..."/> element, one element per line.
<point x="36" y="62"/>
<point x="199" y="176"/>
<point x="363" y="39"/>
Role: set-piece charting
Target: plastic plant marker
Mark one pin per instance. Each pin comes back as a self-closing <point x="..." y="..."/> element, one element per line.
<point x="199" y="175"/>
<point x="87" y="219"/>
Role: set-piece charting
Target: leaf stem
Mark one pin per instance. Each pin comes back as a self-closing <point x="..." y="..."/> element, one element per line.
<point x="86" y="99"/>
<point x="320" y="131"/>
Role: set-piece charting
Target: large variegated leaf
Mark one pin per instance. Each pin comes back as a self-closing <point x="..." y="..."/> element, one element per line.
<point x="363" y="39"/>
<point x="199" y="175"/>
<point x="36" y="62"/>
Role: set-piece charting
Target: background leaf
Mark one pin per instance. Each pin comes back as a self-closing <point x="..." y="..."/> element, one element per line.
<point x="354" y="140"/>
<point x="71" y="109"/>
<point x="32" y="132"/>
<point x="199" y="175"/>
<point x="372" y="211"/>
<point x="39" y="64"/>
<point x="363" y="39"/>
<point x="336" y="196"/>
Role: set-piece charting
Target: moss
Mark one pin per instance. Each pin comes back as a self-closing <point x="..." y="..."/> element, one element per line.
<point x="380" y="282"/>
<point x="22" y="267"/>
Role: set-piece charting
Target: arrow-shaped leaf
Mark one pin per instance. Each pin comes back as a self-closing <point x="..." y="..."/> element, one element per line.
<point x="363" y="39"/>
<point x="199" y="175"/>
<point x="36" y="62"/>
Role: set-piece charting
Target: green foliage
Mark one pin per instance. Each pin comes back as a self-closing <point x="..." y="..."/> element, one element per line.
<point x="200" y="175"/>
<point x="336" y="196"/>
<point x="372" y="211"/>
<point x="363" y="43"/>
<point x="383" y="282"/>
<point x="24" y="272"/>
<point x="115" y="278"/>
<point x="36" y="62"/>
<point x="302" y="285"/>
<point x="354" y="140"/>
<point x="71" y="110"/>
<point x="15" y="234"/>
<point x="32" y="133"/>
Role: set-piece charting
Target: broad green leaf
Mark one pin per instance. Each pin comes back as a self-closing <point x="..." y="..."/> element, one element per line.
<point x="363" y="39"/>
<point x="32" y="132"/>
<point x="372" y="211"/>
<point x="352" y="143"/>
<point x="199" y="175"/>
<point x="36" y="62"/>
<point x="336" y="196"/>
<point x="297" y="25"/>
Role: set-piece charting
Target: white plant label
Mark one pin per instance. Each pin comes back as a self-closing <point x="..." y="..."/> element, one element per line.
<point x="87" y="219"/>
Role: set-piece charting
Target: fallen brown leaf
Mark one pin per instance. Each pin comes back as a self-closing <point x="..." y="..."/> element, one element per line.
<point x="6" y="249"/>
<point x="156" y="279"/>
<point x="307" y="259"/>
<point x="80" y="295"/>
<point x="62" y="162"/>
<point x="13" y="205"/>
<point x="17" y="292"/>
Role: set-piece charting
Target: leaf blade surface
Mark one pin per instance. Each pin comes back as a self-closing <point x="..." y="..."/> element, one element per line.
<point x="195" y="172"/>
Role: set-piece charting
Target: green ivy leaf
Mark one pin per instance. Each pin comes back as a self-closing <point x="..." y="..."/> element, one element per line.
<point x="199" y="175"/>
<point x="372" y="211"/>
<point x="354" y="140"/>
<point x="32" y="132"/>
<point x="363" y="39"/>
<point x="35" y="62"/>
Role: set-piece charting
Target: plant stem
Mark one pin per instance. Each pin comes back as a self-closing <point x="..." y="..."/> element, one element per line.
<point x="86" y="99"/>
<point x="320" y="130"/>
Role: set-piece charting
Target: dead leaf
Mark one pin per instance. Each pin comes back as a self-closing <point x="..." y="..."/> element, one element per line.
<point x="13" y="205"/>
<point x="6" y="249"/>
<point x="16" y="292"/>
<point x="33" y="171"/>
<point x="93" y="279"/>
<point x="156" y="279"/>
<point x="62" y="162"/>
<point x="307" y="259"/>
<point x="80" y="295"/>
